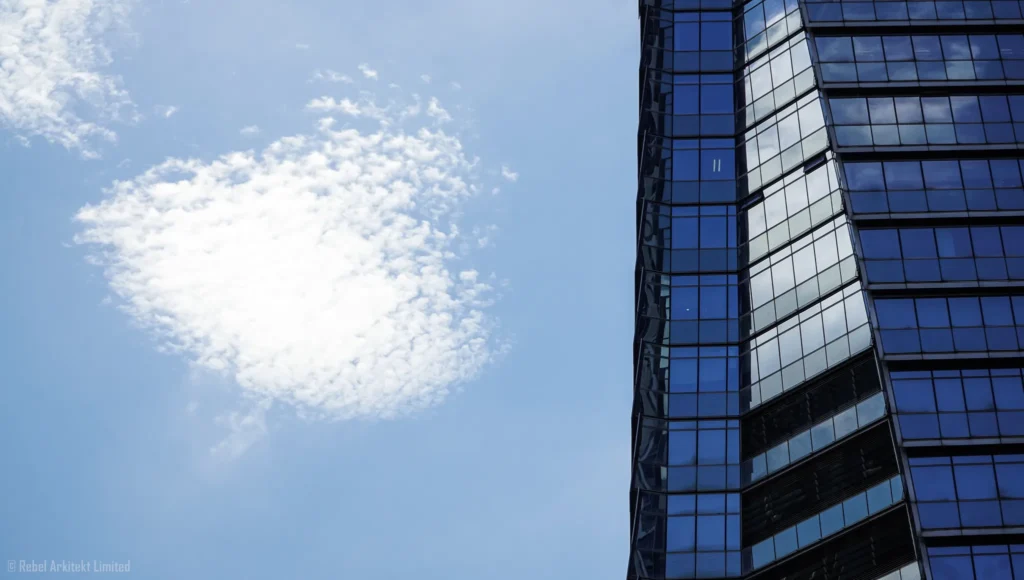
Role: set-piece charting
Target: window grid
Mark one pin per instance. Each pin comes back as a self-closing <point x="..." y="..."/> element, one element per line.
<point x="804" y="346"/>
<point x="703" y="309"/>
<point x="703" y="455"/>
<point x="943" y="254"/>
<point x="703" y="381"/>
<point x="765" y="24"/>
<point x="696" y="4"/>
<point x="914" y="10"/>
<point x="1005" y="562"/>
<point x="812" y="440"/>
<point x="702" y="105"/>
<point x="692" y="238"/>
<point x="959" y="404"/>
<point x="824" y="524"/>
<point x="921" y="58"/>
<point x="798" y="275"/>
<point x="784" y="141"/>
<point x="776" y="79"/>
<point x="974" y="491"/>
<point x="702" y="41"/>
<point x="947" y="120"/>
<point x="946" y="325"/>
<point x="935" y="186"/>
<point x="911" y="571"/>
<point x="684" y="41"/>
<point x="703" y="536"/>
<point x="703" y="170"/>
<point x="702" y="227"/>
<point x="791" y="207"/>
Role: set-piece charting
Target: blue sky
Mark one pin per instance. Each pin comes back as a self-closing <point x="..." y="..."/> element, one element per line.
<point x="495" y="444"/>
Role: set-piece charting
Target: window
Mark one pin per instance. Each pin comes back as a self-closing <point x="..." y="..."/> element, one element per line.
<point x="701" y="41"/>
<point x="702" y="170"/>
<point x="977" y="562"/>
<point x="790" y="208"/>
<point x="933" y="58"/>
<point x="814" y="439"/>
<point x="703" y="533"/>
<point x="703" y="381"/>
<point x="798" y="275"/>
<point x="784" y="141"/>
<point x="700" y="105"/>
<point x="767" y="22"/>
<point x="952" y="185"/>
<point x="698" y="238"/>
<point x="959" y="404"/>
<point x="944" y="254"/>
<point x="912" y="120"/>
<point x="972" y="491"/>
<point x="825" y="524"/>
<point x="775" y="79"/>
<point x="703" y="455"/>
<point x="915" y="10"/>
<point x="911" y="571"/>
<point x="804" y="346"/>
<point x="944" y="325"/>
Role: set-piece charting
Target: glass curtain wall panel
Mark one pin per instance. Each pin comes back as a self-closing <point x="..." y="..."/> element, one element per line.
<point x="758" y="360"/>
<point x="924" y="107"/>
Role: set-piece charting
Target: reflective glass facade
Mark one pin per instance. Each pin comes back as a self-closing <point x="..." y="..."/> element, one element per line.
<point x="829" y="335"/>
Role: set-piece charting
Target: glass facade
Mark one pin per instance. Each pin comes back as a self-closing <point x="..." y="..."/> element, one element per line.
<point x="829" y="335"/>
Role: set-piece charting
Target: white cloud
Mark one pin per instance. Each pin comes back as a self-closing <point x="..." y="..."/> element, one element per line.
<point x="51" y="84"/>
<point x="168" y="111"/>
<point x="365" y="107"/>
<point x="244" y="430"/>
<point x="425" y="78"/>
<point x="435" y="110"/>
<point x="367" y="71"/>
<point x="331" y="76"/>
<point x="484" y="235"/>
<point x="250" y="130"/>
<point x="508" y="174"/>
<point x="320" y="272"/>
<point x="301" y="46"/>
<point x="456" y="86"/>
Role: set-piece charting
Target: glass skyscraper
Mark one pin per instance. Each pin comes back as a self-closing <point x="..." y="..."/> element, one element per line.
<point x="829" y="291"/>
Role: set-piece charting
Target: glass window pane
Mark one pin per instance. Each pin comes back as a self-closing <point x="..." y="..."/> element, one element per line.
<point x="849" y="111"/>
<point x="933" y="483"/>
<point x="975" y="481"/>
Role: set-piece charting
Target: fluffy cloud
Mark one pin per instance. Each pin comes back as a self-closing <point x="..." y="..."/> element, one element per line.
<point x="435" y="110"/>
<point x="250" y="130"/>
<point x="51" y="84"/>
<point x="508" y="174"/>
<point x="367" y="107"/>
<point x="244" y="430"/>
<point x="367" y="71"/>
<point x="321" y="272"/>
<point x="331" y="76"/>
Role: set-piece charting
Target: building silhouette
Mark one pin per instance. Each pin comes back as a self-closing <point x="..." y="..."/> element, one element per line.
<point x="829" y="291"/>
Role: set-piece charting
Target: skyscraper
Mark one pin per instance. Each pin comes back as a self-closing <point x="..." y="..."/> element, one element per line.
<point x="829" y="291"/>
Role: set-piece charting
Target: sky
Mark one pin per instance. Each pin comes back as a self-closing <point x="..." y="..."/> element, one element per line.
<point x="317" y="289"/>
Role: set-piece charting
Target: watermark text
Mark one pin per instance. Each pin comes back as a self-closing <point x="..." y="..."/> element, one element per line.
<point x="72" y="566"/>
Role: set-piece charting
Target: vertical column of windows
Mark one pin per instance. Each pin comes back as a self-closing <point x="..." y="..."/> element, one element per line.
<point x="702" y="514"/>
